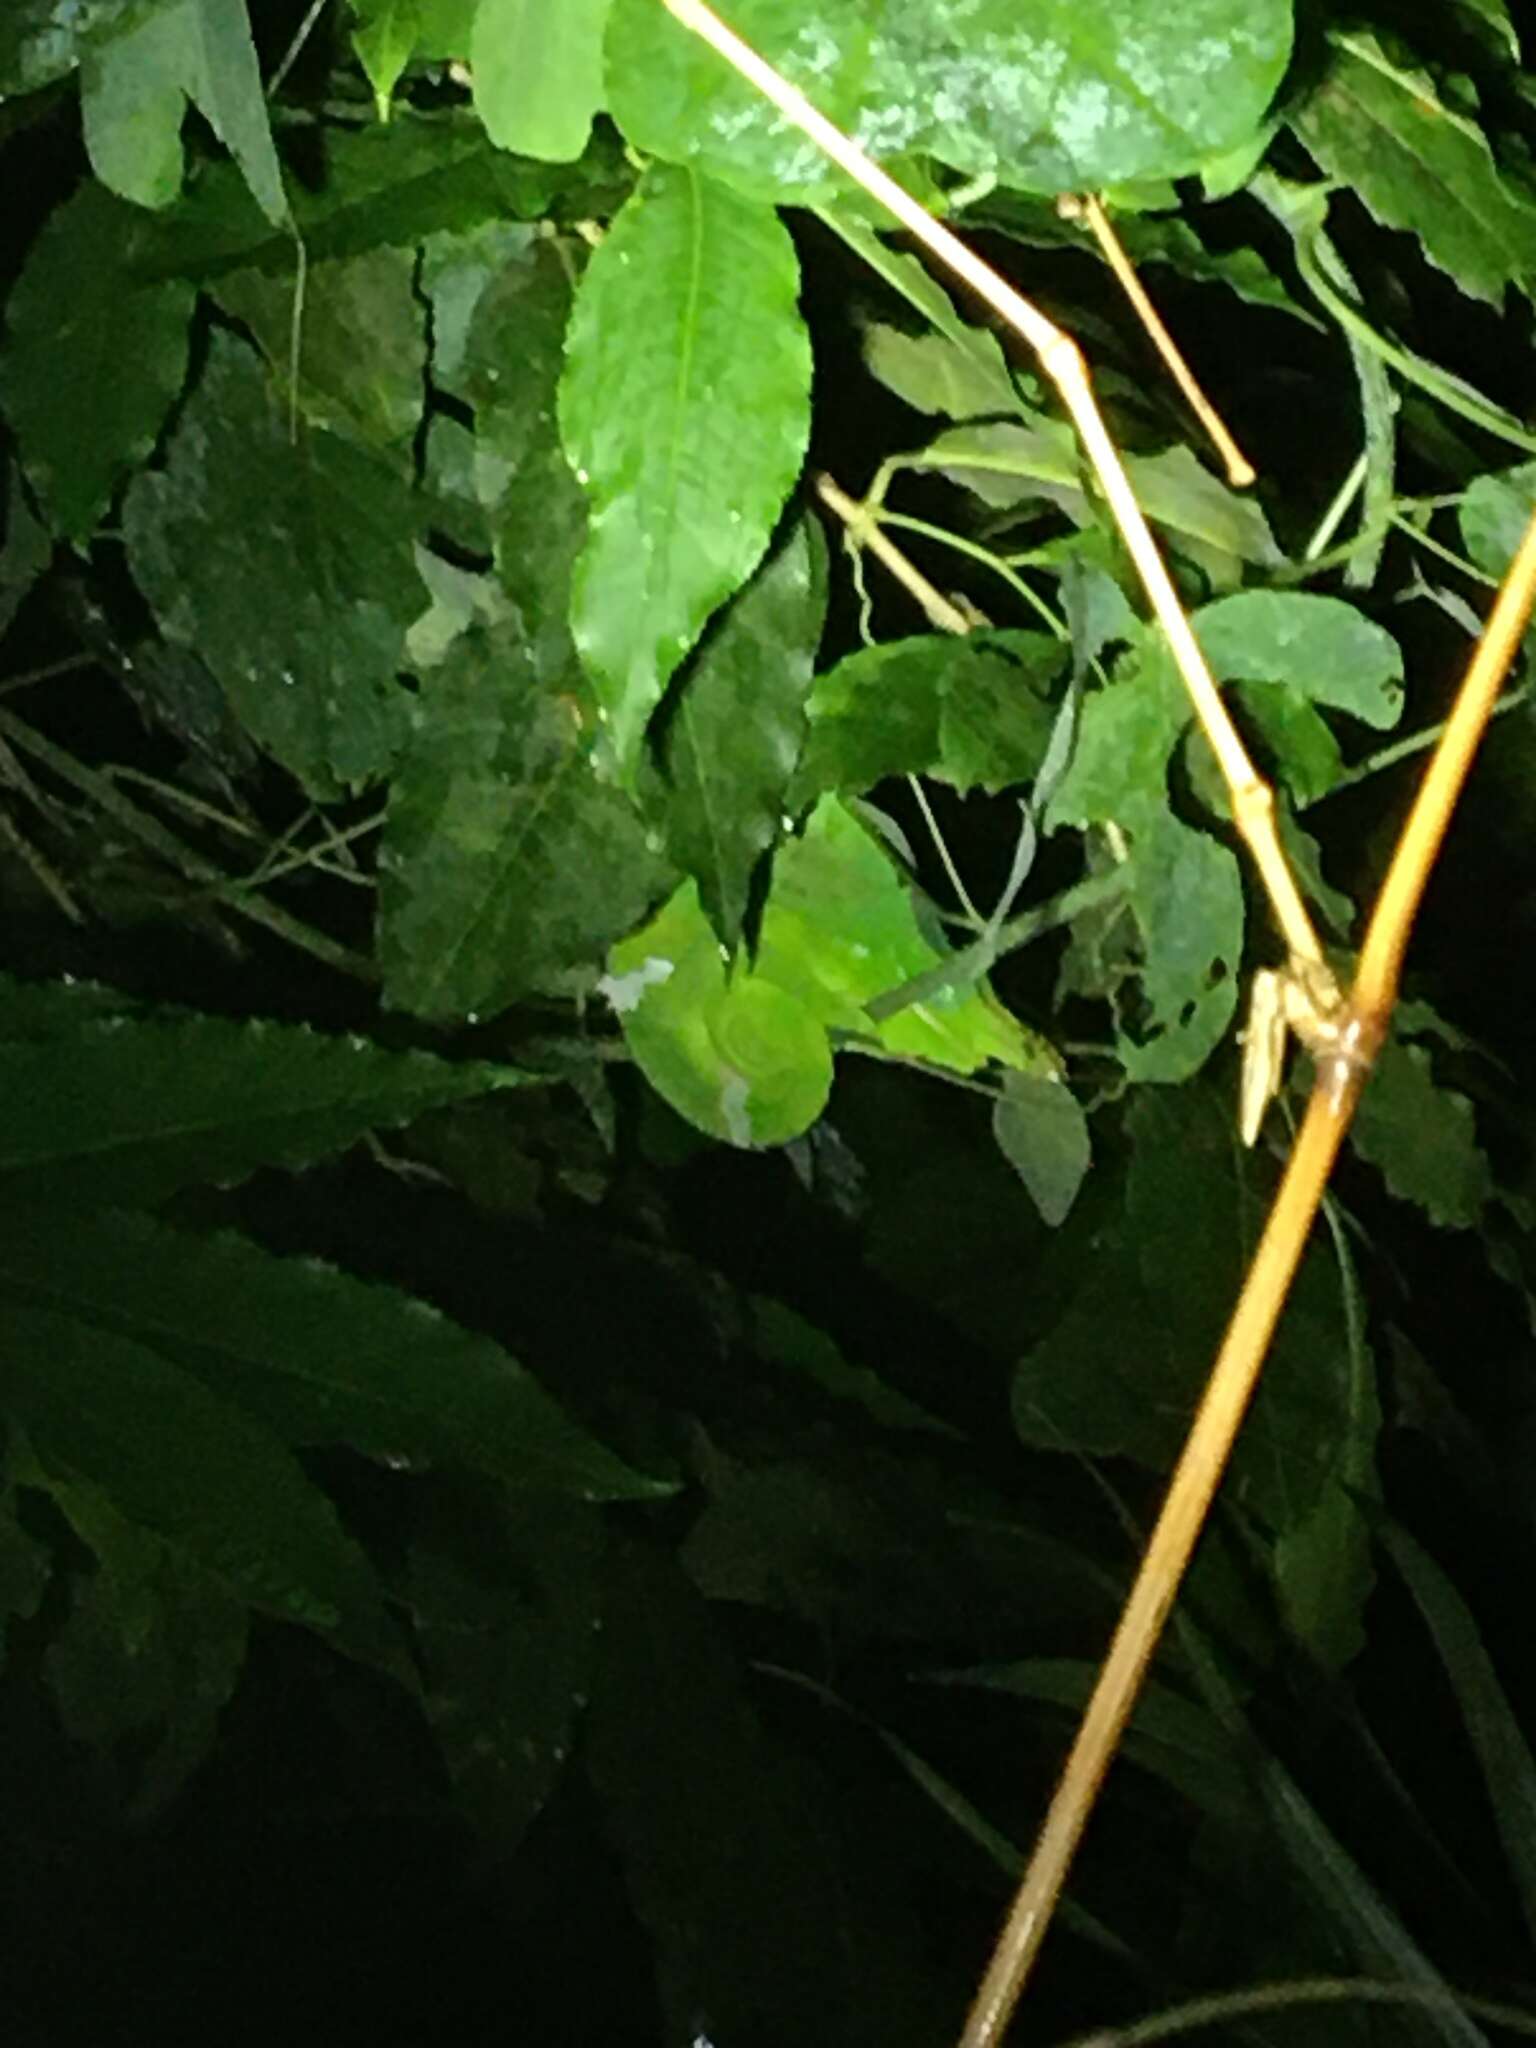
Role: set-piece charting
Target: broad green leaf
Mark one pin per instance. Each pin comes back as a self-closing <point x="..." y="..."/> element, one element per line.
<point x="362" y="342"/>
<point x="1040" y="1126"/>
<point x="225" y="84"/>
<point x="745" y="1054"/>
<point x="93" y="362"/>
<point x="132" y="103"/>
<point x="40" y="39"/>
<point x="1382" y="129"/>
<point x="301" y="612"/>
<point x="135" y="88"/>
<point x="685" y="411"/>
<point x="1493" y="1725"/>
<point x="730" y="744"/>
<point x="934" y="374"/>
<point x="731" y="1052"/>
<point x="129" y="1109"/>
<point x="735" y="1853"/>
<point x="316" y="1356"/>
<point x="1077" y="95"/>
<point x="386" y="38"/>
<point x="1324" y="650"/>
<point x="1495" y="511"/>
<point x="1423" y="1138"/>
<point x="538" y="73"/>
<point x="148" y="1655"/>
<point x="187" y="1466"/>
<point x="974" y="712"/>
<point x="505" y="863"/>
<point x="505" y="1597"/>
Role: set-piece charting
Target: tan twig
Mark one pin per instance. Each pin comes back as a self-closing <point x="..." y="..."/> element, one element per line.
<point x="1240" y="470"/>
<point x="864" y="531"/>
<point x="1236" y="1371"/>
<point x="1252" y="801"/>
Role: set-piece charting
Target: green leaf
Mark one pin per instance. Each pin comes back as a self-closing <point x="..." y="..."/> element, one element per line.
<point x="1493" y="1727"/>
<point x="685" y="411"/>
<point x="934" y="374"/>
<point x="538" y="73"/>
<point x="1085" y="93"/>
<point x="301" y="612"/>
<point x="387" y="36"/>
<point x="135" y="88"/>
<point x="148" y="1654"/>
<point x="41" y="39"/>
<point x="973" y="711"/>
<point x="1324" y="650"/>
<point x="130" y="1109"/>
<point x="733" y="1053"/>
<point x="505" y="862"/>
<point x="315" y="1355"/>
<point x="132" y="103"/>
<point x="731" y="743"/>
<point x="1183" y="888"/>
<point x="1495" y="511"/>
<point x="1423" y="1138"/>
<point x="362" y="342"/>
<point x="505" y="1596"/>
<point x="195" y="1470"/>
<point x="745" y="1054"/>
<point x="93" y="362"/>
<point x="1383" y="131"/>
<point x="1042" y="1132"/>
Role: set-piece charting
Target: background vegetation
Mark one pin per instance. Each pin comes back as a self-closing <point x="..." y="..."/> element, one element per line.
<point x="618" y="1169"/>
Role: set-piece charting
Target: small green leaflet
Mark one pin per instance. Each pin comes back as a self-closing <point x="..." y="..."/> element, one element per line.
<point x="746" y="1055"/>
<point x="1383" y="131"/>
<point x="1070" y="96"/>
<point x="1423" y="1138"/>
<point x="685" y="410"/>
<point x="93" y="361"/>
<point x="1495" y="511"/>
<point x="385" y="39"/>
<point x="538" y="73"/>
<point x="1043" y="1134"/>
<point x="135" y="88"/>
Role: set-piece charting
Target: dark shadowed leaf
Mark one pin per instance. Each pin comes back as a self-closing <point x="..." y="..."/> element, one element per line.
<point x="299" y="609"/>
<point x="92" y="361"/>
<point x="505" y="862"/>
<point x="319" y="1357"/>
<point x="731" y="744"/>
<point x="131" y="1108"/>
